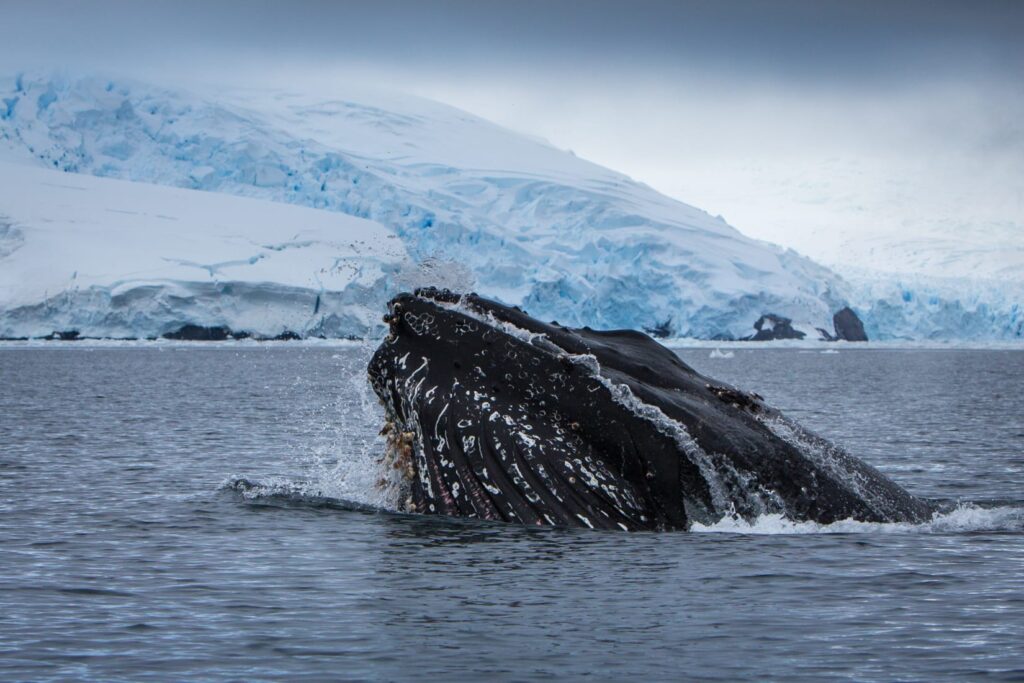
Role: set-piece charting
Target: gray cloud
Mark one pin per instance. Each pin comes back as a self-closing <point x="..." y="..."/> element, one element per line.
<point x="865" y="42"/>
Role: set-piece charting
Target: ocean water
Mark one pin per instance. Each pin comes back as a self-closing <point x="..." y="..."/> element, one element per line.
<point x="208" y="512"/>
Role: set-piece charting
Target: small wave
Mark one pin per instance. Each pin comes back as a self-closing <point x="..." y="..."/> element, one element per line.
<point x="290" y="492"/>
<point x="965" y="517"/>
<point x="251" y="489"/>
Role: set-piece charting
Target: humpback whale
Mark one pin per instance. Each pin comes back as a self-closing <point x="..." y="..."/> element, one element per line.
<point x="495" y="415"/>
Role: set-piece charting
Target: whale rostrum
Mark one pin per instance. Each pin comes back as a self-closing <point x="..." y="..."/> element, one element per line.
<point x="495" y="415"/>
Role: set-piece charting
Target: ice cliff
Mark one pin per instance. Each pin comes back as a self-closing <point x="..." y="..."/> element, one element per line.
<point x="107" y="258"/>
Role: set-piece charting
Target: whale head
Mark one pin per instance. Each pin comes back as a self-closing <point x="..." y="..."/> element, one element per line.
<point x="495" y="415"/>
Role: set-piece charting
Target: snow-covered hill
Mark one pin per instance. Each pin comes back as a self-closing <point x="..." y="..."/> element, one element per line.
<point x="109" y="258"/>
<point x="536" y="226"/>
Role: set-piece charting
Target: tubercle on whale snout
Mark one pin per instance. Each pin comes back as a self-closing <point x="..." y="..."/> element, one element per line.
<point x="507" y="418"/>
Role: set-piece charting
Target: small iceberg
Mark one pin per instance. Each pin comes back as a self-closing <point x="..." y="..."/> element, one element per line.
<point x="719" y="353"/>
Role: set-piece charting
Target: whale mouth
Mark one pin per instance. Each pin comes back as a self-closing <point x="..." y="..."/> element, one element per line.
<point x="492" y="414"/>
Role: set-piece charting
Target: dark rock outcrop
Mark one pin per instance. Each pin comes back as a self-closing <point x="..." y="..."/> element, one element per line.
<point x="192" y="332"/>
<point x="771" y="327"/>
<point x="848" y="326"/>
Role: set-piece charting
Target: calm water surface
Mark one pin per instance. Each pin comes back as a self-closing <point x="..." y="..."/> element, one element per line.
<point x="124" y="555"/>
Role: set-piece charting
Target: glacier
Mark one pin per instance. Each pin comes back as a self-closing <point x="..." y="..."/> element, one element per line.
<point x="97" y="257"/>
<point x="922" y="307"/>
<point x="535" y="225"/>
<point x="529" y="224"/>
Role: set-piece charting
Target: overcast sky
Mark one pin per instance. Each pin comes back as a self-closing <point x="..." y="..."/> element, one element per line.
<point x="804" y="122"/>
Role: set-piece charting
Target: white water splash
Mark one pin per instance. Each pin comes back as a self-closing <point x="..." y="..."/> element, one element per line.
<point x="351" y="467"/>
<point x="435" y="271"/>
<point x="728" y="487"/>
<point x="966" y="517"/>
<point x="486" y="317"/>
<point x="825" y="454"/>
<point x="342" y="460"/>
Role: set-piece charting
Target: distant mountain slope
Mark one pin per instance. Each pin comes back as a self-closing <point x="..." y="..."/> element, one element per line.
<point x="928" y="255"/>
<point x="537" y="226"/>
<point x="108" y="258"/>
